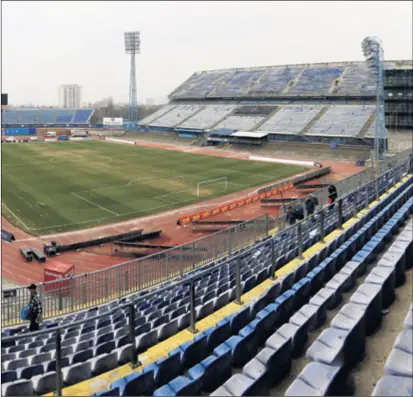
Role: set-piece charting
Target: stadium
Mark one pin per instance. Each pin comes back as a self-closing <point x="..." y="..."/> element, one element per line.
<point x="163" y="256"/>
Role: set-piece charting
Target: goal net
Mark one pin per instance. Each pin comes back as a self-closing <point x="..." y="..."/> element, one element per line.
<point x="212" y="186"/>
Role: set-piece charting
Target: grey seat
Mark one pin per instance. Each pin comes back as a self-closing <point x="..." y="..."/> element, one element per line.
<point x="17" y="388"/>
<point x="124" y="354"/>
<point x="40" y="358"/>
<point x="77" y="373"/>
<point x="16" y="364"/>
<point x="103" y="363"/>
<point x="44" y="383"/>
<point x="393" y="386"/>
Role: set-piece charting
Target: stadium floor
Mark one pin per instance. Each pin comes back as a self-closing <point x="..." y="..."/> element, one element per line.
<point x="161" y="349"/>
<point x="57" y="187"/>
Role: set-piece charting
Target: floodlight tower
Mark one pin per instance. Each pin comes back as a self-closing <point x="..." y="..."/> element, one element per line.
<point x="133" y="47"/>
<point x="373" y="52"/>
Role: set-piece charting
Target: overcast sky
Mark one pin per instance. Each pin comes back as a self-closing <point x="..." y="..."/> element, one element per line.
<point x="45" y="44"/>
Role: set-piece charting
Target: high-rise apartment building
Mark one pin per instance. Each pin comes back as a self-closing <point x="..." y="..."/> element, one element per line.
<point x="70" y="96"/>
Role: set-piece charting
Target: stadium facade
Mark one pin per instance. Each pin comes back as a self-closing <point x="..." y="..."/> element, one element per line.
<point x="330" y="103"/>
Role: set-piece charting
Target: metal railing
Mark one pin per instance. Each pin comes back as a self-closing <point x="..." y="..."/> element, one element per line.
<point x="92" y="289"/>
<point x="347" y="206"/>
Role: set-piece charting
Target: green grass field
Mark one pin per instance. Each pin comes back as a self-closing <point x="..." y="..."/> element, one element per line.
<point x="56" y="187"/>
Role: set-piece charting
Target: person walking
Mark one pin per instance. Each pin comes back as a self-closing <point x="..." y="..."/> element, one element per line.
<point x="332" y="196"/>
<point x="290" y="216"/>
<point x="35" y="309"/>
<point x="310" y="205"/>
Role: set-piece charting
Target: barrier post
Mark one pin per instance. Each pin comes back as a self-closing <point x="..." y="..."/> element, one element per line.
<point x="126" y="280"/>
<point x="229" y="241"/>
<point x="322" y="231"/>
<point x="377" y="184"/>
<point x="181" y="266"/>
<point x="356" y="197"/>
<point x="60" y="300"/>
<point x="300" y="239"/>
<point x="238" y="282"/>
<point x="59" y="378"/>
<point x="273" y="264"/>
<point x="340" y="214"/>
<point x="193" y="255"/>
<point x="366" y="204"/>
<point x="119" y="283"/>
<point x="84" y="293"/>
<point x="106" y="287"/>
<point x="192" y="326"/>
<point x="134" y="362"/>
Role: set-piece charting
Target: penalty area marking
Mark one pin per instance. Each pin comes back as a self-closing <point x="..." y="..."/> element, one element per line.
<point x="96" y="205"/>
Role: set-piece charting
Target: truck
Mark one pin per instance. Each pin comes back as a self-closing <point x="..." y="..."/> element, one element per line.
<point x="51" y="133"/>
<point x="79" y="133"/>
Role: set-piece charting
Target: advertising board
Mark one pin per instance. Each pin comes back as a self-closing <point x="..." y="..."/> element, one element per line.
<point x="113" y="121"/>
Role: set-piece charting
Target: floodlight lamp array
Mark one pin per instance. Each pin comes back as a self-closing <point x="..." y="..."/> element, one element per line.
<point x="132" y="42"/>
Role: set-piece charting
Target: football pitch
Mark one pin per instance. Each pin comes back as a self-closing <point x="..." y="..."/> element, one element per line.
<point x="55" y="187"/>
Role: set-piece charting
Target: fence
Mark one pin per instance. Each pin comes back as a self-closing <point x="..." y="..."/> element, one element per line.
<point x="91" y="289"/>
<point x="347" y="206"/>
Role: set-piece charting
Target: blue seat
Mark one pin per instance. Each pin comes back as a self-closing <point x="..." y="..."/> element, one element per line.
<point x="242" y="348"/>
<point x="180" y="386"/>
<point x="317" y="379"/>
<point x="135" y="384"/>
<point x="212" y="371"/>
<point x="165" y="369"/>
<point x="240" y="320"/>
<point x="32" y="370"/>
<point x="286" y="305"/>
<point x="192" y="352"/>
<point x="109" y="392"/>
<point x="8" y="376"/>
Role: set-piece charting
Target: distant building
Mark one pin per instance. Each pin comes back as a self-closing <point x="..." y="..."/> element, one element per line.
<point x="70" y="96"/>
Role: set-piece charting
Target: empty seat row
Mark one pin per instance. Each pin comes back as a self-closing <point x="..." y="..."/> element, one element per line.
<point x="337" y="349"/>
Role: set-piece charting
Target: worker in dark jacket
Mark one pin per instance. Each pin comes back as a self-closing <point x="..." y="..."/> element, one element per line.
<point x="35" y="309"/>
<point x="290" y="216"/>
<point x="332" y="196"/>
<point x="310" y="205"/>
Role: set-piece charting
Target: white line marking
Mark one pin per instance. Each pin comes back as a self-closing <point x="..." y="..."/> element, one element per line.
<point x="96" y="205"/>
<point x="11" y="212"/>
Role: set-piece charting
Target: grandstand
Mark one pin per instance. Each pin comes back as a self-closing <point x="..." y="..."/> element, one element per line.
<point x="246" y="328"/>
<point x="45" y="117"/>
<point x="332" y="103"/>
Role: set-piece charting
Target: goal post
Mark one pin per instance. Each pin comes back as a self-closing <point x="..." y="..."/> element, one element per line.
<point x="223" y="179"/>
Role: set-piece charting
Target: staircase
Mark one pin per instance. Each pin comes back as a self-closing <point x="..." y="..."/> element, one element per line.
<point x="250" y="86"/>
<point x="333" y="87"/>
<point x="320" y="114"/>
<point x="292" y="83"/>
<point x="187" y="118"/>
<point x="266" y="118"/>
<point x="366" y="126"/>
<point x="222" y="119"/>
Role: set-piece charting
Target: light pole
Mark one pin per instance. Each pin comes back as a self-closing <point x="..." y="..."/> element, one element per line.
<point x="373" y="52"/>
